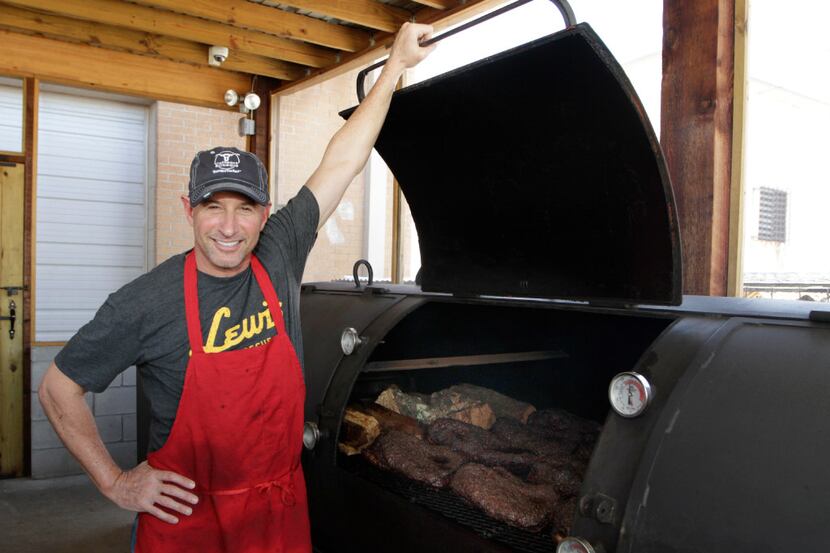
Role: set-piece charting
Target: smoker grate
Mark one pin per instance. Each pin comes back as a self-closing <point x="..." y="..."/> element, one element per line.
<point x="453" y="507"/>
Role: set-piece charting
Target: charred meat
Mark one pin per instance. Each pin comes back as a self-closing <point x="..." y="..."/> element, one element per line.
<point x="560" y="424"/>
<point x="480" y="445"/>
<point x="565" y="479"/>
<point x="414" y="458"/>
<point x="519" y="436"/>
<point x="505" y="497"/>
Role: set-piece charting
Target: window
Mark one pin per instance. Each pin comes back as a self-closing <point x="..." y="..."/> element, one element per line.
<point x="772" y="216"/>
<point x="786" y="182"/>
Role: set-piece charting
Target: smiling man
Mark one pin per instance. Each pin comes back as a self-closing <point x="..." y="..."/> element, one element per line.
<point x="215" y="334"/>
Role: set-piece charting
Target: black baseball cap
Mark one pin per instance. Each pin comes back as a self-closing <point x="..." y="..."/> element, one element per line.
<point x="228" y="169"/>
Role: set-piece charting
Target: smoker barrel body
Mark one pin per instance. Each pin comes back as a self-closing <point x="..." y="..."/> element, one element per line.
<point x="733" y="436"/>
<point x="549" y="238"/>
<point x="737" y="461"/>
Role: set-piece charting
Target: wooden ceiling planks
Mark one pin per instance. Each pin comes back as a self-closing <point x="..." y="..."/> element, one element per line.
<point x="367" y="13"/>
<point x="140" y="18"/>
<point x="85" y="65"/>
<point x="257" y="17"/>
<point x="264" y="38"/>
<point x="438" y="4"/>
<point x="138" y="42"/>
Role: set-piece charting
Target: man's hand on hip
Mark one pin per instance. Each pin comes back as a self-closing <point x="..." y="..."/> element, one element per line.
<point x="145" y="489"/>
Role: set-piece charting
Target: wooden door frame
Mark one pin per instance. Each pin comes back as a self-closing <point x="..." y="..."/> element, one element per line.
<point x="28" y="158"/>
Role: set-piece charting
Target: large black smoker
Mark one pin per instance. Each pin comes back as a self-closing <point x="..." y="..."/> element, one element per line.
<point x="550" y="270"/>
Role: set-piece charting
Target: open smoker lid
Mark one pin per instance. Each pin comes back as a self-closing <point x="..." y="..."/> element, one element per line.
<point x="536" y="173"/>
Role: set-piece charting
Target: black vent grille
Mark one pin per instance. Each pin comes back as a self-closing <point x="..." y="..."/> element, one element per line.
<point x="453" y="507"/>
<point x="772" y="218"/>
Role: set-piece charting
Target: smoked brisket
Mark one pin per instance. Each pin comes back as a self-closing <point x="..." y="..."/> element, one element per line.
<point x="536" y="440"/>
<point x="414" y="458"/>
<point x="504" y="497"/>
<point x="480" y="445"/>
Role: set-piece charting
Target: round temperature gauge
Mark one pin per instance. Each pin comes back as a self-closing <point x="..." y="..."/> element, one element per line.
<point x="629" y="393"/>
<point x="574" y="545"/>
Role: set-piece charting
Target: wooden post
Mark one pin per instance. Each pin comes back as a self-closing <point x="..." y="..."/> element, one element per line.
<point x="30" y="129"/>
<point x="735" y="277"/>
<point x="258" y="144"/>
<point x="696" y="133"/>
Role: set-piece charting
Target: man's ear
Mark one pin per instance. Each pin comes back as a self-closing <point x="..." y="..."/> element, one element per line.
<point x="265" y="214"/>
<point x="188" y="211"/>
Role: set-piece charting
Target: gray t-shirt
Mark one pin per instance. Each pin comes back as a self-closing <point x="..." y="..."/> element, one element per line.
<point x="143" y="323"/>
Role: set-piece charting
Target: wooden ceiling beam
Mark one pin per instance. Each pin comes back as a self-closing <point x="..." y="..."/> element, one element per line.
<point x="273" y="21"/>
<point x="367" y="13"/>
<point x="137" y="42"/>
<point x="438" y="19"/>
<point x="140" y="18"/>
<point x="438" y="4"/>
<point x="121" y="72"/>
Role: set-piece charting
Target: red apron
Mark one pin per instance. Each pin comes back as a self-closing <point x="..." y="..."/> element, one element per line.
<point x="238" y="435"/>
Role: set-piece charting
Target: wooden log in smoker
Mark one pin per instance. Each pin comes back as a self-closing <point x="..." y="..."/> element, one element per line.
<point x="429" y="408"/>
<point x="502" y="405"/>
<point x="359" y="431"/>
<point x="390" y="420"/>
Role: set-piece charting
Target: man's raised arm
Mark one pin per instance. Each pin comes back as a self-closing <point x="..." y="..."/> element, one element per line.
<point x="350" y="147"/>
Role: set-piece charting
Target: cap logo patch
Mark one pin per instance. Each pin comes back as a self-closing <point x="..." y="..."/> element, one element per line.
<point x="226" y="162"/>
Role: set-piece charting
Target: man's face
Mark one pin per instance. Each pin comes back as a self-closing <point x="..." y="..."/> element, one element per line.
<point x="226" y="228"/>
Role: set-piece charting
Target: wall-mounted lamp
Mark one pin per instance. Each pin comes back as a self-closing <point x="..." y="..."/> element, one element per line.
<point x="231" y="97"/>
<point x="249" y="103"/>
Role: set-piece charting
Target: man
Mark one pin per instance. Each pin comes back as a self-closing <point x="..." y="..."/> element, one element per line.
<point x="213" y="333"/>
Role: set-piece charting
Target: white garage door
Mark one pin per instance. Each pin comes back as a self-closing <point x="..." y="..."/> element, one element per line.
<point x="11" y="115"/>
<point x="91" y="234"/>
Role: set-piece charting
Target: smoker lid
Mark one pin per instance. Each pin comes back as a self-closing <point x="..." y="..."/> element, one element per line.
<point x="536" y="173"/>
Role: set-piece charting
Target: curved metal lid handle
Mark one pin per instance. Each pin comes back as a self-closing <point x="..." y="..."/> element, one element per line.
<point x="357" y="265"/>
<point x="563" y="6"/>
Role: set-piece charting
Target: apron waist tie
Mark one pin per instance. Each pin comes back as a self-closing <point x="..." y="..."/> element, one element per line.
<point x="285" y="484"/>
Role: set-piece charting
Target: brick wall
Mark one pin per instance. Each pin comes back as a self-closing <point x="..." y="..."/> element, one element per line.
<point x="306" y="121"/>
<point x="183" y="131"/>
<point x="114" y="412"/>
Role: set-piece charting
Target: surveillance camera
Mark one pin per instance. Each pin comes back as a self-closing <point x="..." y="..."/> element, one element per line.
<point x="217" y="55"/>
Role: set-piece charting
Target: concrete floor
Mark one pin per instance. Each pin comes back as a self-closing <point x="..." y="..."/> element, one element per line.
<point x="60" y="515"/>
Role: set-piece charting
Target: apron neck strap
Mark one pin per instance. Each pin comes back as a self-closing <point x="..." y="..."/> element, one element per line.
<point x="269" y="293"/>
<point x="191" y="299"/>
<point x="191" y="303"/>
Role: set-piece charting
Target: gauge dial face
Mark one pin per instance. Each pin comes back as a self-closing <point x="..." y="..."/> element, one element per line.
<point x="629" y="394"/>
<point x="574" y="545"/>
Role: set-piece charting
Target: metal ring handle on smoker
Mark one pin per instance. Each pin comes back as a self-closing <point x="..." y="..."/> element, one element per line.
<point x="357" y="265"/>
<point x="562" y="5"/>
